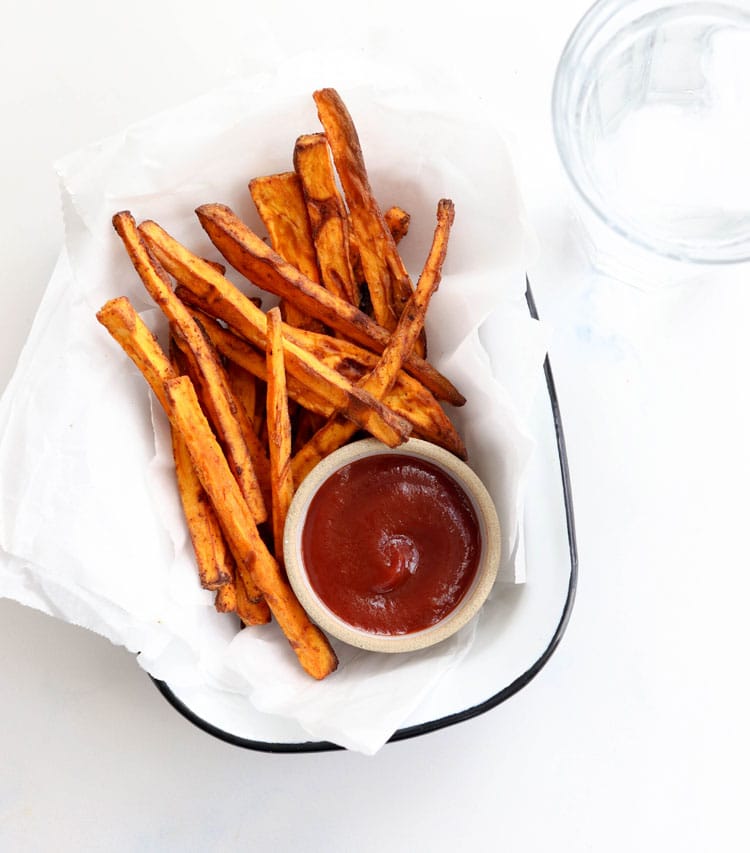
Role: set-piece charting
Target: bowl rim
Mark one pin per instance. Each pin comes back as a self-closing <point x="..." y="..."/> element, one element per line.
<point x="467" y="607"/>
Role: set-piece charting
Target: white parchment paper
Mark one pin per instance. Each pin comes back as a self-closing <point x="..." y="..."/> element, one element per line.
<point x="91" y="529"/>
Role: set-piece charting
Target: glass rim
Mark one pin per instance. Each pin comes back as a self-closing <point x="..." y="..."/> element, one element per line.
<point x="591" y="22"/>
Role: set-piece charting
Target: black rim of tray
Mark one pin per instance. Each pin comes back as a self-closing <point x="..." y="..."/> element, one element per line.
<point x="493" y="701"/>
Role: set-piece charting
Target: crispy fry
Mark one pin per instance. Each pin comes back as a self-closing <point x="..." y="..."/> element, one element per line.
<point x="216" y="392"/>
<point x="211" y="552"/>
<point x="248" y="254"/>
<point x="327" y="215"/>
<point x="308" y="642"/>
<point x="386" y="276"/>
<point x="238" y="350"/>
<point x="398" y="221"/>
<point x="229" y="304"/>
<point x="205" y="388"/>
<point x="214" y="563"/>
<point x="281" y="205"/>
<point x="213" y="556"/>
<point x="122" y="322"/>
<point x="226" y="598"/>
<point x="337" y="431"/>
<point x="249" y="603"/>
<point x="408" y="397"/>
<point x="279" y="432"/>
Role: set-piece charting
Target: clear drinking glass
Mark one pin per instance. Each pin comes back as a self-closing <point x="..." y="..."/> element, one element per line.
<point x="651" y="115"/>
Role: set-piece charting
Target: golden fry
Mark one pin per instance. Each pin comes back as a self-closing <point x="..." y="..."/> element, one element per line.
<point x="211" y="553"/>
<point x="308" y="642"/>
<point x="214" y="563"/>
<point x="226" y="598"/>
<point x="281" y="205"/>
<point x="122" y="322"/>
<point x="213" y="556"/>
<point x="279" y="432"/>
<point x="249" y="603"/>
<point x="248" y="254"/>
<point x="227" y="303"/>
<point x="327" y="215"/>
<point x="238" y="350"/>
<point x="215" y="388"/>
<point x="337" y="431"/>
<point x="397" y="220"/>
<point x="386" y="276"/>
<point x="408" y="397"/>
<point x="207" y="393"/>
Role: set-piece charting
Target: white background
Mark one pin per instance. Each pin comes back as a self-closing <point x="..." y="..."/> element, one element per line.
<point x="634" y="737"/>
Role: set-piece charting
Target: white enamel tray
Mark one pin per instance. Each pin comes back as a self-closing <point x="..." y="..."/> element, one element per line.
<point x="534" y="618"/>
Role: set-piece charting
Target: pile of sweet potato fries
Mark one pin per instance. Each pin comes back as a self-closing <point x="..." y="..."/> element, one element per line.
<point x="257" y="398"/>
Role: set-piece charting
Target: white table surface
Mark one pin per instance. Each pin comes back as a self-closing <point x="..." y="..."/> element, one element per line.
<point x="634" y="736"/>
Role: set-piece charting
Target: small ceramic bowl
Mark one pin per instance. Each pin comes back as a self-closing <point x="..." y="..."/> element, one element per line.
<point x="466" y="608"/>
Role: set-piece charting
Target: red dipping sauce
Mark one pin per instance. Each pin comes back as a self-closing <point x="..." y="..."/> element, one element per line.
<point x="391" y="543"/>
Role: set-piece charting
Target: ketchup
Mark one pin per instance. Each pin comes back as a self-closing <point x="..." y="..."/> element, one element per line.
<point x="391" y="543"/>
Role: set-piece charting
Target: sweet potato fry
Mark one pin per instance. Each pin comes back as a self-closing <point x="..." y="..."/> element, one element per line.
<point x="226" y="598"/>
<point x="408" y="397"/>
<point x="229" y="304"/>
<point x="281" y="206"/>
<point x="188" y="335"/>
<point x="279" y="432"/>
<point x="207" y="392"/>
<point x="337" y="431"/>
<point x="239" y="351"/>
<point x="248" y="254"/>
<point x="327" y="215"/>
<point x="384" y="271"/>
<point x="398" y="221"/>
<point x="308" y="642"/>
<point x="213" y="556"/>
<point x="122" y="322"/>
<point x="215" y="565"/>
<point x="214" y="562"/>
<point x="412" y="317"/>
<point x="249" y="603"/>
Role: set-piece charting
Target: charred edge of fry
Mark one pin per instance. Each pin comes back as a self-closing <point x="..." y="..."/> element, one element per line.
<point x="398" y="221"/>
<point x="226" y="598"/>
<point x="250" y="605"/>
